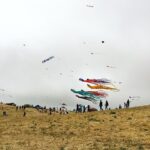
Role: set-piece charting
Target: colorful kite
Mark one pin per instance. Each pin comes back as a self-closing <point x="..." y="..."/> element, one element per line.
<point x="95" y="96"/>
<point x="47" y="59"/>
<point x="100" y="86"/>
<point x="96" y="81"/>
<point x="85" y="93"/>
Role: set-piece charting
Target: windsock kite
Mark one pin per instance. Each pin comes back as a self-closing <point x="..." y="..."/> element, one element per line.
<point x="45" y="60"/>
<point x="95" y="96"/>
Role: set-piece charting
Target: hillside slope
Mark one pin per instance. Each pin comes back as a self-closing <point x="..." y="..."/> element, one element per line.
<point x="123" y="129"/>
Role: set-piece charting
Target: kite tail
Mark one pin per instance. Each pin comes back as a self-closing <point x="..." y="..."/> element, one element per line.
<point x="115" y="89"/>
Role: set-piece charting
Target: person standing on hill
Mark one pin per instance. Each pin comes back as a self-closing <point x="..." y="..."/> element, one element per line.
<point x="101" y="105"/>
<point x="84" y="108"/>
<point x="50" y="110"/>
<point x="88" y="108"/>
<point x="77" y="108"/>
<point x="120" y="107"/>
<point x="128" y="103"/>
<point x="106" y="105"/>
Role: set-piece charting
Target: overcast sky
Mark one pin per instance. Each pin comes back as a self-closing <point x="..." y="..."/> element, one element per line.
<point x="33" y="30"/>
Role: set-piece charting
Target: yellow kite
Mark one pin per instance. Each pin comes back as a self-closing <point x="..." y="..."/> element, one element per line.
<point x="100" y="86"/>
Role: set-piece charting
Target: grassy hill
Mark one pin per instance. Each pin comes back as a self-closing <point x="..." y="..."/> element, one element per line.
<point x="123" y="129"/>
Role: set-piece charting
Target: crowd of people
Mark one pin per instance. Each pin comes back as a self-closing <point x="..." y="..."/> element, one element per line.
<point x="63" y="109"/>
<point x="50" y="110"/>
<point x="126" y="105"/>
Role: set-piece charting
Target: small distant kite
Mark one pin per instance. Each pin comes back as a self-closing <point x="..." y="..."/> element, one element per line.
<point x="63" y="104"/>
<point x="90" y="6"/>
<point x="110" y="66"/>
<point x="47" y="59"/>
<point x="134" y="97"/>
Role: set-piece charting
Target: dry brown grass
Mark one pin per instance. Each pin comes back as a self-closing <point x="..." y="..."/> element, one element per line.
<point x="109" y="130"/>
